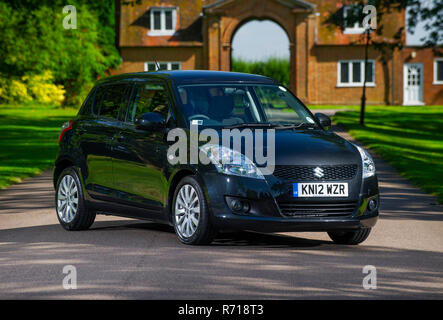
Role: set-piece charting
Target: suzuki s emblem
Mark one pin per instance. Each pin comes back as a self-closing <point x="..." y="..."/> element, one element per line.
<point x="318" y="172"/>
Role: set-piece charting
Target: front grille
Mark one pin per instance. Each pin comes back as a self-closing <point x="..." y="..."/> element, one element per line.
<point x="315" y="209"/>
<point x="306" y="173"/>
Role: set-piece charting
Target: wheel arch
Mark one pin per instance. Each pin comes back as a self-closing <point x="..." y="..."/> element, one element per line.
<point x="60" y="165"/>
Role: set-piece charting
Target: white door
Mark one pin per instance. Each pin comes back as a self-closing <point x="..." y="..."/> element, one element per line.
<point x="413" y="84"/>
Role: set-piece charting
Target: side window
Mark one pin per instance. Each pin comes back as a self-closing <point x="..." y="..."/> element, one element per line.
<point x="149" y="97"/>
<point x="110" y="100"/>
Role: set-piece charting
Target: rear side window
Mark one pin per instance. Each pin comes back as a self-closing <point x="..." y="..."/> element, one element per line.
<point x="149" y="97"/>
<point x="86" y="108"/>
<point x="110" y="100"/>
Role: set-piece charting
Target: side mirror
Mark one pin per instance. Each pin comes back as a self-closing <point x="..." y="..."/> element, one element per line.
<point x="324" y="120"/>
<point x="151" y="121"/>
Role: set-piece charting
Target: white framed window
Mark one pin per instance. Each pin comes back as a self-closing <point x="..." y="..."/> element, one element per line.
<point x="170" y="66"/>
<point x="163" y="21"/>
<point x="356" y="27"/>
<point x="438" y="71"/>
<point x="351" y="73"/>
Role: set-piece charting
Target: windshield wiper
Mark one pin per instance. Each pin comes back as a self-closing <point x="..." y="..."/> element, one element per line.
<point x="251" y="125"/>
<point x="272" y="125"/>
<point x="295" y="126"/>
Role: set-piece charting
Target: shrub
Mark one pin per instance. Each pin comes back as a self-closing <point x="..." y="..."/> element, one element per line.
<point x="17" y="92"/>
<point x="3" y="89"/>
<point x="37" y="88"/>
<point x="43" y="90"/>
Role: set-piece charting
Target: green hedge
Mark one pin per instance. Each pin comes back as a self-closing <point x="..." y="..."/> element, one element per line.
<point x="276" y="68"/>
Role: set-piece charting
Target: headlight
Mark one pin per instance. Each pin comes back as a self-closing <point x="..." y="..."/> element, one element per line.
<point x="368" y="163"/>
<point x="231" y="162"/>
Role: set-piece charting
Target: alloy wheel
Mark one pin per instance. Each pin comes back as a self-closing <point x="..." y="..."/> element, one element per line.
<point x="67" y="199"/>
<point x="187" y="211"/>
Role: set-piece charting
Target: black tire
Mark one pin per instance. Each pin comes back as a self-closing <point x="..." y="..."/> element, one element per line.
<point x="83" y="218"/>
<point x="350" y="237"/>
<point x="205" y="231"/>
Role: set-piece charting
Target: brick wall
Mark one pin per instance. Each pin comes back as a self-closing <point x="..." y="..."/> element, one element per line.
<point x="432" y="93"/>
<point x="134" y="58"/>
<point x="323" y="87"/>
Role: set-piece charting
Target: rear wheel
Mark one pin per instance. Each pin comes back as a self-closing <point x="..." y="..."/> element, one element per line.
<point x="190" y="213"/>
<point x="350" y="237"/>
<point x="72" y="212"/>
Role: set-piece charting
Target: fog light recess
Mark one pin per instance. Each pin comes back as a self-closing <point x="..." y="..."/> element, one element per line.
<point x="372" y="205"/>
<point x="238" y="205"/>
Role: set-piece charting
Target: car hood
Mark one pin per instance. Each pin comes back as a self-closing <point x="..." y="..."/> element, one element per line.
<point x="308" y="147"/>
<point x="313" y="147"/>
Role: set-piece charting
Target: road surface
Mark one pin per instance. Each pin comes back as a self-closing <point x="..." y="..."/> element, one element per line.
<point x="130" y="259"/>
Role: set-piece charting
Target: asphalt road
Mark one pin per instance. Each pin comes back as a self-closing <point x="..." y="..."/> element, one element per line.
<point x="122" y="258"/>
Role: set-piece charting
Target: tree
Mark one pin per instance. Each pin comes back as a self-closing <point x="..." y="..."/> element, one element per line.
<point x="430" y="11"/>
<point x="33" y="41"/>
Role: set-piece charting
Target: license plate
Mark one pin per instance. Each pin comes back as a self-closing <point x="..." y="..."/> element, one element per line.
<point x="320" y="189"/>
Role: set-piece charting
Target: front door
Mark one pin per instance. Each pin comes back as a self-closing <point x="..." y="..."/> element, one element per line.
<point x="413" y="84"/>
<point x="139" y="157"/>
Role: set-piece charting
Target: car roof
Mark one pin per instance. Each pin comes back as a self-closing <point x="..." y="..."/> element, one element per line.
<point x="194" y="77"/>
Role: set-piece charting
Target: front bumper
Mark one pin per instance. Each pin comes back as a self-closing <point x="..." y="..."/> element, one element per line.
<point x="266" y="215"/>
<point x="271" y="224"/>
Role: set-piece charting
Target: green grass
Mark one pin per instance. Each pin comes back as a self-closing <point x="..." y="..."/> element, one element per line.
<point x="409" y="138"/>
<point x="331" y="107"/>
<point x="28" y="140"/>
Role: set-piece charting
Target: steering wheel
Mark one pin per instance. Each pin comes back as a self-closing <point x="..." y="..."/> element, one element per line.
<point x="199" y="115"/>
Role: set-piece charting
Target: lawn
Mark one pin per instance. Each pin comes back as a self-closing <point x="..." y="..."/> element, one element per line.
<point x="28" y="140"/>
<point x="409" y="138"/>
<point x="336" y="107"/>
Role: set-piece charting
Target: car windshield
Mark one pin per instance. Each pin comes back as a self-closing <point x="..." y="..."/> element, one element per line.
<point x="236" y="105"/>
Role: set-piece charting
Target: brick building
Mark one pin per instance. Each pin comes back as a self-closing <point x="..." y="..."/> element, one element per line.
<point x="326" y="61"/>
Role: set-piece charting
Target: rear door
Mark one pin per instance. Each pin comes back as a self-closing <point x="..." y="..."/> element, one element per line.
<point x="140" y="161"/>
<point x="97" y="135"/>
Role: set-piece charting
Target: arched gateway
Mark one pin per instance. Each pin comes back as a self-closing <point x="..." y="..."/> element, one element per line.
<point x="221" y="20"/>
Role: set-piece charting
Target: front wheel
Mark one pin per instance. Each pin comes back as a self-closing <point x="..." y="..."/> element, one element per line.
<point x="190" y="213"/>
<point x="350" y="237"/>
<point x="72" y="212"/>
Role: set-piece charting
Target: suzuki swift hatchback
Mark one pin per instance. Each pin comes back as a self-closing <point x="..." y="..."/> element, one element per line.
<point x="115" y="158"/>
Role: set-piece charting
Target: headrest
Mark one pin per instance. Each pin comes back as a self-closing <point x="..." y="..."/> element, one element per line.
<point x="221" y="107"/>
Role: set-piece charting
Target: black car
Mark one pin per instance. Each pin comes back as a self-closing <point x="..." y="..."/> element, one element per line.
<point x="115" y="158"/>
